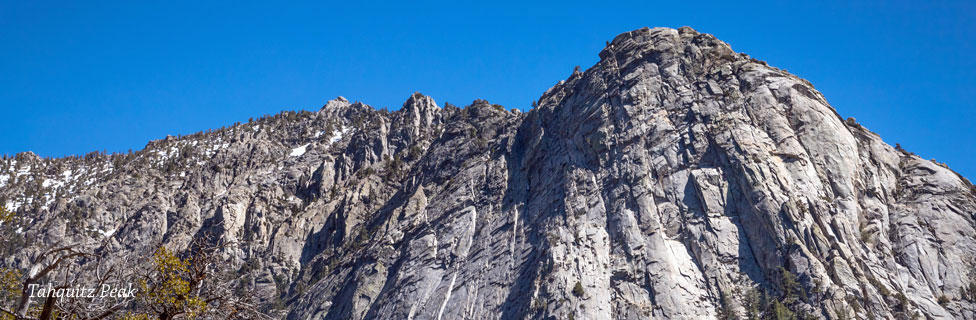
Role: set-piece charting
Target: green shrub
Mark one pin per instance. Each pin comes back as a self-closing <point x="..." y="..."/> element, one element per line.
<point x="578" y="289"/>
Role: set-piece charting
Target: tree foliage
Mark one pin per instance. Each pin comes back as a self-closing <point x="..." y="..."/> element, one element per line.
<point x="6" y="216"/>
<point x="168" y="289"/>
<point x="578" y="289"/>
<point x="168" y="285"/>
<point x="192" y="285"/>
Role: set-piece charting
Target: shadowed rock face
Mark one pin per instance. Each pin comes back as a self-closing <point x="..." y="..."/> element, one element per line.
<point x="668" y="181"/>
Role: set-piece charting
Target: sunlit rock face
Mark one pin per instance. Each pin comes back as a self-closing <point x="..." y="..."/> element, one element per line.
<point x="675" y="179"/>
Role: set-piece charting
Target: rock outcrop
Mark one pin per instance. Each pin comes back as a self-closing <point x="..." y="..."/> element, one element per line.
<point x="676" y="179"/>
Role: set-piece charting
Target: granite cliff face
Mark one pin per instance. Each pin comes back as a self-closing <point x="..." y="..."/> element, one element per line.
<point x="673" y="179"/>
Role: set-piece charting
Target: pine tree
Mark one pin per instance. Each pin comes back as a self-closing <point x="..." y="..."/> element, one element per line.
<point x="725" y="311"/>
<point x="753" y="304"/>
<point x="780" y="311"/>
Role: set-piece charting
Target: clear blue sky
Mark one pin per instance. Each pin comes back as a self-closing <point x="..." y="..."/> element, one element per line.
<point x="78" y="76"/>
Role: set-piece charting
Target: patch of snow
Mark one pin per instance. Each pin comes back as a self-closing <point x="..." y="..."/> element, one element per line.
<point x="48" y="199"/>
<point x="106" y="233"/>
<point x="297" y="152"/>
<point x="24" y="171"/>
<point x="52" y="183"/>
<point x="13" y="205"/>
<point x="338" y="134"/>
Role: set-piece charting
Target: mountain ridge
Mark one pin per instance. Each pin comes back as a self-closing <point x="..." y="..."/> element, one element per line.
<point x="675" y="178"/>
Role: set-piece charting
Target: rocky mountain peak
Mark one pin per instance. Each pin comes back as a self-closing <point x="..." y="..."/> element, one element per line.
<point x="420" y="110"/>
<point x="675" y="178"/>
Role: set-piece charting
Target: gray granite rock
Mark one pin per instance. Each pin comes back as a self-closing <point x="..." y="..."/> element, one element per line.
<point x="669" y="180"/>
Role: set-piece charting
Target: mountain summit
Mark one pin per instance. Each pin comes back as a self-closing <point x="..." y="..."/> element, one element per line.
<point x="676" y="179"/>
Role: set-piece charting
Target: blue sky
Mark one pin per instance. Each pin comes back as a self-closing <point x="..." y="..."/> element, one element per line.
<point x="78" y="76"/>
